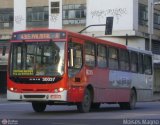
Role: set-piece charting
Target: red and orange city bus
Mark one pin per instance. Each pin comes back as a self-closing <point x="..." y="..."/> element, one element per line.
<point x="50" y="67"/>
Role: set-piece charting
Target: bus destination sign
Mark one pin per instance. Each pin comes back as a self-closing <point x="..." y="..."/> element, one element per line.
<point x="39" y="35"/>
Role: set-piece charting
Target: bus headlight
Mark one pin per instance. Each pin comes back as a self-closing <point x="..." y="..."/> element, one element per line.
<point x="58" y="90"/>
<point x="13" y="89"/>
<point x="61" y="89"/>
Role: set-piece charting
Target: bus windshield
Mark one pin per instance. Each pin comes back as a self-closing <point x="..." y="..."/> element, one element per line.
<point x="37" y="59"/>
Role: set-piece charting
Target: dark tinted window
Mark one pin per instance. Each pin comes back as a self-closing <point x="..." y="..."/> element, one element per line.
<point x="147" y="64"/>
<point x="140" y="63"/>
<point x="124" y="60"/>
<point x="37" y="16"/>
<point x="113" y="58"/>
<point x="6" y="18"/>
<point x="134" y="62"/>
<point x="90" y="54"/>
<point x="102" y="56"/>
<point x="74" y="14"/>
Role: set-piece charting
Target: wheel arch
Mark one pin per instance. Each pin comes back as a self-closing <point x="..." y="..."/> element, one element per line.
<point x="91" y="89"/>
<point x="135" y="90"/>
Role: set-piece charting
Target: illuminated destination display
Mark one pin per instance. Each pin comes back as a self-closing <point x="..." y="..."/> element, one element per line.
<point x="22" y="72"/>
<point x="39" y="35"/>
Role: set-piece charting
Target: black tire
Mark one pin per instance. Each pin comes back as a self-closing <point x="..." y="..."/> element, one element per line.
<point x="132" y="102"/>
<point x="95" y="105"/>
<point x="38" y="106"/>
<point x="85" y="105"/>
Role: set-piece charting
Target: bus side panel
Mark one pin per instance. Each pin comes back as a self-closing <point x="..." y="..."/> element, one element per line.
<point x="120" y="82"/>
<point x="109" y="85"/>
<point x="143" y="84"/>
<point x="98" y="79"/>
<point x="75" y="94"/>
<point x="105" y="95"/>
<point x="123" y="95"/>
<point x="111" y="95"/>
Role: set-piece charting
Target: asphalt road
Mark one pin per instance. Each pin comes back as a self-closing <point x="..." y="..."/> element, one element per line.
<point x="22" y="113"/>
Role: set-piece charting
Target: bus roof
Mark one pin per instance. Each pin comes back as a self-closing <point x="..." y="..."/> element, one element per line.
<point x="77" y="35"/>
<point x="39" y="34"/>
<point x="83" y="37"/>
<point x="139" y="50"/>
<point x="96" y="40"/>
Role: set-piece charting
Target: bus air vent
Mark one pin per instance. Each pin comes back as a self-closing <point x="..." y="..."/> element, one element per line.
<point x="34" y="96"/>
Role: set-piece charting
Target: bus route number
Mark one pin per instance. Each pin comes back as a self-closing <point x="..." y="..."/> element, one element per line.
<point x="48" y="79"/>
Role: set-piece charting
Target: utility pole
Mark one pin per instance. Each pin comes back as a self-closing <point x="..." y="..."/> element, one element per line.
<point x="150" y="22"/>
<point x="151" y="4"/>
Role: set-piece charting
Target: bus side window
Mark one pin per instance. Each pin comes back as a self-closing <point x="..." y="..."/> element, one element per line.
<point x="124" y="60"/>
<point x="113" y="58"/>
<point x="147" y="64"/>
<point x="17" y="56"/>
<point x="134" y="62"/>
<point x="75" y="55"/>
<point x="102" y="56"/>
<point x="4" y="51"/>
<point x="140" y="63"/>
<point x="75" y="58"/>
<point x="90" y="54"/>
<point x="1" y="49"/>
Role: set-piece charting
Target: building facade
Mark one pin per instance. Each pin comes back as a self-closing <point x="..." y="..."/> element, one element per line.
<point x="136" y="24"/>
<point x="75" y="18"/>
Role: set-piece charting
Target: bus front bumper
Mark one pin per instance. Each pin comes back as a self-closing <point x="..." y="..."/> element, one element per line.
<point x="60" y="96"/>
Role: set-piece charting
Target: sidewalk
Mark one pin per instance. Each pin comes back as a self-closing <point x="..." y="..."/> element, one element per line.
<point x="156" y="97"/>
<point x="3" y="98"/>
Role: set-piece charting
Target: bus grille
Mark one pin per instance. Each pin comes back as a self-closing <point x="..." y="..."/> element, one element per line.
<point x="34" y="96"/>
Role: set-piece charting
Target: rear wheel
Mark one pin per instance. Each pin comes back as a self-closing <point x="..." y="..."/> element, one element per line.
<point x="85" y="105"/>
<point x="132" y="102"/>
<point x="38" y="106"/>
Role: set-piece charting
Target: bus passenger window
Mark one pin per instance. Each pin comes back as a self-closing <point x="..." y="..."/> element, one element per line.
<point x="102" y="56"/>
<point x="124" y="60"/>
<point x="140" y="63"/>
<point x="4" y="51"/>
<point x="134" y="62"/>
<point x="147" y="65"/>
<point x="90" y="54"/>
<point x="113" y="58"/>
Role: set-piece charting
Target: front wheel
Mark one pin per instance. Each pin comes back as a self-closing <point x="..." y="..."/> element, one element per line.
<point x="85" y="105"/>
<point x="38" y="106"/>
